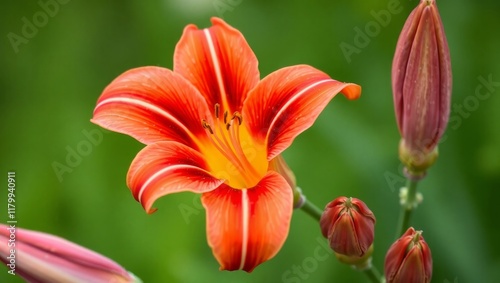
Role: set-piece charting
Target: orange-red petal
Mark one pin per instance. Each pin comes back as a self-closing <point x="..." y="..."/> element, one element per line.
<point x="288" y="101"/>
<point x="218" y="62"/>
<point x="153" y="104"/>
<point x="247" y="227"/>
<point x="168" y="167"/>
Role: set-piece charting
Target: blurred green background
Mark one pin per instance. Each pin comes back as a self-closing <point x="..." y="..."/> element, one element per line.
<point x="51" y="81"/>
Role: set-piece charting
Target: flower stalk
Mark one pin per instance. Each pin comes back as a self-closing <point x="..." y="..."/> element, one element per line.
<point x="409" y="200"/>
<point x="373" y="274"/>
<point x="311" y="209"/>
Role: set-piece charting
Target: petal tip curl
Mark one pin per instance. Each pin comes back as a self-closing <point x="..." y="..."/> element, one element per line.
<point x="220" y="22"/>
<point x="351" y="91"/>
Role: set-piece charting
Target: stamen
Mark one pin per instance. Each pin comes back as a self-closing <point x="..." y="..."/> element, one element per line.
<point x="235" y="139"/>
<point x="217" y="108"/>
<point x="205" y="125"/>
<point x="225" y="149"/>
<point x="237" y="115"/>
<point x="228" y="143"/>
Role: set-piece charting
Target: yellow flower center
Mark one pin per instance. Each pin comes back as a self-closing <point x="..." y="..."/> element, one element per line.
<point x="232" y="154"/>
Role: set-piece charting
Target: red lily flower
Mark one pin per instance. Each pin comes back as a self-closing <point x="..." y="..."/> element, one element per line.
<point x="212" y="127"/>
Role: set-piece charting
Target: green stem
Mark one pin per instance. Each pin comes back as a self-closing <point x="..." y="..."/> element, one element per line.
<point x="373" y="274"/>
<point x="311" y="209"/>
<point x="408" y="205"/>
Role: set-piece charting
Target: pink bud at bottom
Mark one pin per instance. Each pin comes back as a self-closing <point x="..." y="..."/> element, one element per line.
<point x="41" y="257"/>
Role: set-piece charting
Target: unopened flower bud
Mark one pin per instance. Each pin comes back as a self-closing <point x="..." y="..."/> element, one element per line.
<point x="409" y="259"/>
<point x="44" y="258"/>
<point x="349" y="225"/>
<point x="421" y="84"/>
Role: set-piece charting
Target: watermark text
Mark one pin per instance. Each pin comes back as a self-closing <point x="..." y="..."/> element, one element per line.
<point x="11" y="213"/>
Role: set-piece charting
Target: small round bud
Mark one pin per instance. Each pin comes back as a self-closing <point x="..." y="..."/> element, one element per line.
<point x="349" y="225"/>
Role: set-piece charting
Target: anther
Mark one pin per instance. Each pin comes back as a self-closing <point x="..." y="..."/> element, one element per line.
<point x="237" y="115"/>
<point x="225" y="117"/>
<point x="205" y="125"/>
<point x="217" y="109"/>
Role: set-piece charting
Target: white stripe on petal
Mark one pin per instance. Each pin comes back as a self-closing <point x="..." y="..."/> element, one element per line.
<point x="295" y="97"/>
<point x="159" y="173"/>
<point x="244" y="223"/>
<point x="147" y="106"/>
<point x="217" y="69"/>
